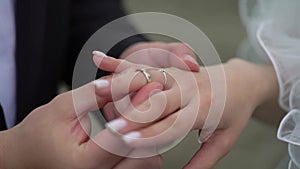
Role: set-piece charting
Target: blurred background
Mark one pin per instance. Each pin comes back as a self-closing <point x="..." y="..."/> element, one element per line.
<point x="219" y="20"/>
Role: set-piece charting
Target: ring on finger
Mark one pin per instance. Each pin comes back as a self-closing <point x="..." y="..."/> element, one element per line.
<point x="146" y="74"/>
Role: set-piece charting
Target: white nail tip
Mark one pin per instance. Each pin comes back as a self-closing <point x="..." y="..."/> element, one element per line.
<point x="101" y="83"/>
<point x="116" y="125"/>
<point x="98" y="53"/>
<point x="130" y="137"/>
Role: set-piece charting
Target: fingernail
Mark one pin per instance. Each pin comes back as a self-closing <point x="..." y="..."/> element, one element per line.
<point x="116" y="125"/>
<point x="190" y="58"/>
<point x="98" y="53"/>
<point x="100" y="83"/>
<point x="130" y="137"/>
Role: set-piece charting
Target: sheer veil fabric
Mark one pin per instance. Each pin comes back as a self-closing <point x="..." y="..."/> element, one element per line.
<point x="273" y="28"/>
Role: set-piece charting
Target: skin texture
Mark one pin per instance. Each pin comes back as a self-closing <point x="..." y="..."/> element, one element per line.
<point x="162" y="55"/>
<point x="244" y="95"/>
<point x="158" y="55"/>
<point x="52" y="137"/>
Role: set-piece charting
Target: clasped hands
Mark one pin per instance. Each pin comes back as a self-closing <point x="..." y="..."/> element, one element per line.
<point x="153" y="108"/>
<point x="142" y="117"/>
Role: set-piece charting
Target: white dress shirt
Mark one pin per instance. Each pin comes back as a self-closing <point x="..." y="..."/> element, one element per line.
<point x="7" y="61"/>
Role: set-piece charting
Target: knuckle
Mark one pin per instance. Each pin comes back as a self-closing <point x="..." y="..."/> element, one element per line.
<point x="59" y="99"/>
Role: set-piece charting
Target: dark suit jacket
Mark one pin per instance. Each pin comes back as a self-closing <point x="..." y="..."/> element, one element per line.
<point x="50" y="35"/>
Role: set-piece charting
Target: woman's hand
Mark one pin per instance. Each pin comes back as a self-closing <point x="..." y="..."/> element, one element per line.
<point x="120" y="87"/>
<point x="185" y="102"/>
<point x="248" y="86"/>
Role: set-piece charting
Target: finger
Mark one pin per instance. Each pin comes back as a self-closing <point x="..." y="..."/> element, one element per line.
<point x="110" y="64"/>
<point x="79" y="102"/>
<point x="216" y="147"/>
<point x="171" y="56"/>
<point x="186" y="55"/>
<point x="110" y="112"/>
<point x="141" y="163"/>
<point x="152" y="110"/>
<point x="113" y="109"/>
<point x="168" y="130"/>
<point x="165" y="55"/>
<point x="124" y="83"/>
<point x="144" y="93"/>
<point x="154" y="54"/>
<point x="182" y="49"/>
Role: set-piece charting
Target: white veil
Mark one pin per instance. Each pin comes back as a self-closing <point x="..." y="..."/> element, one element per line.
<point x="273" y="28"/>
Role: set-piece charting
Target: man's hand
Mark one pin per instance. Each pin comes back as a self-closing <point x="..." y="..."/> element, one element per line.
<point x="56" y="136"/>
<point x="162" y="55"/>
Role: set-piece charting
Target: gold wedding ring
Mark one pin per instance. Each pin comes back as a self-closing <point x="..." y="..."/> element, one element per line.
<point x="146" y="74"/>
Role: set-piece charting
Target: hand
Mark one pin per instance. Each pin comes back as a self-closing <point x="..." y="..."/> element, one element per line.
<point x="159" y="55"/>
<point x="242" y="98"/>
<point x="56" y="135"/>
<point x="248" y="86"/>
<point x="162" y="55"/>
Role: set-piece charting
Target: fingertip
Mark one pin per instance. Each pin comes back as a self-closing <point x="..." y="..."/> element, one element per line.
<point x="101" y="83"/>
<point x="190" y="58"/>
<point x="191" y="62"/>
<point x="102" y="87"/>
<point x="116" y="125"/>
<point x="96" y="60"/>
<point x="192" y="66"/>
<point x="98" y="53"/>
<point x="129" y="138"/>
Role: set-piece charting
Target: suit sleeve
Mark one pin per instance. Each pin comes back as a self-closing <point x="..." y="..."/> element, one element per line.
<point x="87" y="16"/>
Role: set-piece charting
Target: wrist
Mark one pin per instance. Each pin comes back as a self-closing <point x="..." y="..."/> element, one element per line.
<point x="9" y="157"/>
<point x="257" y="81"/>
<point x="3" y="150"/>
<point x="5" y="154"/>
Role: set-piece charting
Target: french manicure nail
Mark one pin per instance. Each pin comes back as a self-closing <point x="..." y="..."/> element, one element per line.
<point x="190" y="58"/>
<point x="100" y="83"/>
<point x="130" y="137"/>
<point x="116" y="125"/>
<point x="98" y="53"/>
